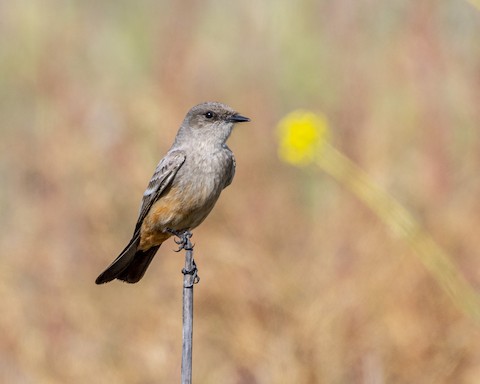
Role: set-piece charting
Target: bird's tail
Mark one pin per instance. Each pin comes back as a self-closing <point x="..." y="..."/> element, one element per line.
<point x="130" y="265"/>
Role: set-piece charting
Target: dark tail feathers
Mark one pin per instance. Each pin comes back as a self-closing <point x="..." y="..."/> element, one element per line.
<point x="130" y="266"/>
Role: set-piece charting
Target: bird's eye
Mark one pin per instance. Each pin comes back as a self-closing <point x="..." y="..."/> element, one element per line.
<point x="209" y="115"/>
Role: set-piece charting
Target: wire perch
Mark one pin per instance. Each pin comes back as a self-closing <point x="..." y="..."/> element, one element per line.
<point x="190" y="278"/>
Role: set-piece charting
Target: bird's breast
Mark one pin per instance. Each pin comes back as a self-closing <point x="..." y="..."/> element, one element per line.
<point x="193" y="193"/>
<point x="204" y="173"/>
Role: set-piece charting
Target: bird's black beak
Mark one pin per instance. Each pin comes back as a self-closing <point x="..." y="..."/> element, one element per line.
<point x="236" y="118"/>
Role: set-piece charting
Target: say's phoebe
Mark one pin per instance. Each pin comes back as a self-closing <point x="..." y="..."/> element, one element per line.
<point x="184" y="188"/>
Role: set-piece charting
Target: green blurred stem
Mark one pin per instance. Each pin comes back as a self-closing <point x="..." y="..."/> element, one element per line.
<point x="402" y="223"/>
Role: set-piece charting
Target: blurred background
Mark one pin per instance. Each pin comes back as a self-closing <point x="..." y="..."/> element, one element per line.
<point x="300" y="282"/>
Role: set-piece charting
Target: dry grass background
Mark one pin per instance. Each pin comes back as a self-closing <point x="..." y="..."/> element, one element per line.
<point x="301" y="283"/>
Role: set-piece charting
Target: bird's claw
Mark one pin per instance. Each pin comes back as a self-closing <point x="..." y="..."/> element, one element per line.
<point x="194" y="273"/>
<point x="183" y="241"/>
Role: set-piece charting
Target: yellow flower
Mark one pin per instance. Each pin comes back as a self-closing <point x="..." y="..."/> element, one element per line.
<point x="302" y="136"/>
<point x="304" y="140"/>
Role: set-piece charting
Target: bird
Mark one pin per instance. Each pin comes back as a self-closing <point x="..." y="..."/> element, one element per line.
<point x="184" y="188"/>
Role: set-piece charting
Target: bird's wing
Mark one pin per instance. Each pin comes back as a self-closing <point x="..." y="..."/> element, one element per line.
<point x="231" y="169"/>
<point x="161" y="179"/>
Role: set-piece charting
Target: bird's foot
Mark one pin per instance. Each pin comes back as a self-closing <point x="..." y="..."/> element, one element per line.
<point x="183" y="241"/>
<point x="194" y="273"/>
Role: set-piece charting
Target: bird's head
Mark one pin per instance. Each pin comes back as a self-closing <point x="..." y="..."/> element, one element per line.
<point x="210" y="121"/>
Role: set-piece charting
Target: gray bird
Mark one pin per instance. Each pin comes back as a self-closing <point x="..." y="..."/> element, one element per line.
<point x="184" y="188"/>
